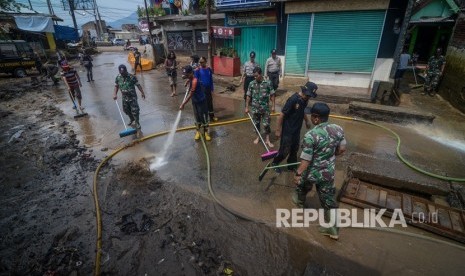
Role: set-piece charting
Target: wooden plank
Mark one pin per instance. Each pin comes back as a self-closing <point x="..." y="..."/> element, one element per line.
<point x="362" y="192"/>
<point x="352" y="189"/>
<point x="382" y="198"/>
<point x="407" y="205"/>
<point x="456" y="221"/>
<point x="444" y="219"/>
<point x="372" y="196"/>
<point x="419" y="207"/>
<point x="451" y="222"/>
<point x="393" y="201"/>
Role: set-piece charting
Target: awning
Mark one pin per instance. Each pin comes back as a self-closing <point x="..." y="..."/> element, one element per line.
<point x="35" y="23"/>
<point x="66" y="33"/>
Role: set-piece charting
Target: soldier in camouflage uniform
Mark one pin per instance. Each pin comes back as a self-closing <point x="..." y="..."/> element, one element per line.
<point x="434" y="71"/>
<point x="127" y="84"/>
<point x="320" y="146"/>
<point x="260" y="93"/>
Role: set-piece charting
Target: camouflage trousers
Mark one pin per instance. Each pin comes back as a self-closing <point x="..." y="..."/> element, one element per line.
<point x="325" y="189"/>
<point x="265" y="119"/>
<point x="431" y="81"/>
<point x="131" y="108"/>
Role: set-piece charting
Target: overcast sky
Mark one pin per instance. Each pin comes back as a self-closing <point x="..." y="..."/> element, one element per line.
<point x="110" y="10"/>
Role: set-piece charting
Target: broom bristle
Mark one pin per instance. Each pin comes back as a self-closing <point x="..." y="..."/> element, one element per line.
<point x="269" y="155"/>
<point x="80" y="115"/>
<point x="127" y="132"/>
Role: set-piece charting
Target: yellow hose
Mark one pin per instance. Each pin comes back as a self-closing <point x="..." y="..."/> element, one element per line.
<point x="106" y="159"/>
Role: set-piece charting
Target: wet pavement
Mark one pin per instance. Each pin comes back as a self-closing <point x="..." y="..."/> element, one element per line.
<point x="236" y="163"/>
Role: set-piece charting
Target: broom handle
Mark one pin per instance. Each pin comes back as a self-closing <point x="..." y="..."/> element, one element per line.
<point x="280" y="166"/>
<point x="72" y="98"/>
<point x="258" y="132"/>
<point x="414" y="74"/>
<point x="121" y="114"/>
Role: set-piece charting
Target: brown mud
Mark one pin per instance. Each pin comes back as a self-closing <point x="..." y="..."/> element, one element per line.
<point x="47" y="214"/>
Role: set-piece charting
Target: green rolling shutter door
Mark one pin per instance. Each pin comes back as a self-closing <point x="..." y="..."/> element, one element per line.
<point x="260" y="39"/>
<point x="345" y="41"/>
<point x="298" y="33"/>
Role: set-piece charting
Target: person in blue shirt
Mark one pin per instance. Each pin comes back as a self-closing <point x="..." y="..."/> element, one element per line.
<point x="199" y="102"/>
<point x="205" y="76"/>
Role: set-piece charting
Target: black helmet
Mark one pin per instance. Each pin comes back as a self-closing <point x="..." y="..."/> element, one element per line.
<point x="122" y="66"/>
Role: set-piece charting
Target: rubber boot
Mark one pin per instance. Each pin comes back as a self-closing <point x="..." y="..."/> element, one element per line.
<point x="136" y="120"/>
<point x="333" y="231"/>
<point x="207" y="135"/>
<point x="197" y="135"/>
<point x="298" y="199"/>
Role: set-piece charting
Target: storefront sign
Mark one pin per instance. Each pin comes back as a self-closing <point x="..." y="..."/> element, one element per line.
<point x="251" y="18"/>
<point x="225" y="32"/>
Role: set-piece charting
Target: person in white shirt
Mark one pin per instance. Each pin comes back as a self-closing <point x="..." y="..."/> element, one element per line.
<point x="273" y="69"/>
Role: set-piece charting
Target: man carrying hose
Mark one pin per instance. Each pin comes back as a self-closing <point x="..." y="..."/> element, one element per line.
<point x="127" y="84"/>
<point x="289" y="124"/>
<point x="199" y="102"/>
<point x="259" y="94"/>
<point x="320" y="146"/>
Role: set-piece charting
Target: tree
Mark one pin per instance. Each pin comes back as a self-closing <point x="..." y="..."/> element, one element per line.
<point x="10" y="5"/>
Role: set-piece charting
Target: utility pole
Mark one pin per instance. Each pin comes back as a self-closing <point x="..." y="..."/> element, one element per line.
<point x="151" y="54"/>
<point x="209" y="51"/>
<point x="148" y="22"/>
<point x="50" y="9"/>
<point x="71" y="11"/>
<point x="402" y="36"/>
<point x="97" y="13"/>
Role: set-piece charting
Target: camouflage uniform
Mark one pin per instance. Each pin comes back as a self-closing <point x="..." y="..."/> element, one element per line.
<point x="127" y="85"/>
<point x="434" y="73"/>
<point x="260" y="93"/>
<point x="319" y="147"/>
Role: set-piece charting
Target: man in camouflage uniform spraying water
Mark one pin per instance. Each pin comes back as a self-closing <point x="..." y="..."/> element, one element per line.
<point x="434" y="71"/>
<point x="127" y="84"/>
<point x="320" y="146"/>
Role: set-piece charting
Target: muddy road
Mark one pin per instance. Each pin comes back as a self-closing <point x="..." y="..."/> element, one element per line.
<point x="165" y="222"/>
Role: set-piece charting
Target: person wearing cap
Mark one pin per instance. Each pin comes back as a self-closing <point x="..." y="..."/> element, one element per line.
<point x="205" y="76"/>
<point x="259" y="94"/>
<point x="289" y="124"/>
<point x="273" y="69"/>
<point x="73" y="82"/>
<point x="199" y="102"/>
<point x="127" y="84"/>
<point x="320" y="146"/>
<point x="247" y="75"/>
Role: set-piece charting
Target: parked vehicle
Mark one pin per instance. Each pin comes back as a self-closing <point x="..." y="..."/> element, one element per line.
<point x="16" y="56"/>
<point x="118" y="42"/>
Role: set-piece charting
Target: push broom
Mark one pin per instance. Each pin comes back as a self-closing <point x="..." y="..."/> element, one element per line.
<point x="127" y="131"/>
<point x="79" y="114"/>
<point x="268" y="154"/>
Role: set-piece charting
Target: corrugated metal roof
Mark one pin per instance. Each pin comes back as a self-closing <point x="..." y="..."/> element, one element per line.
<point x="432" y="20"/>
